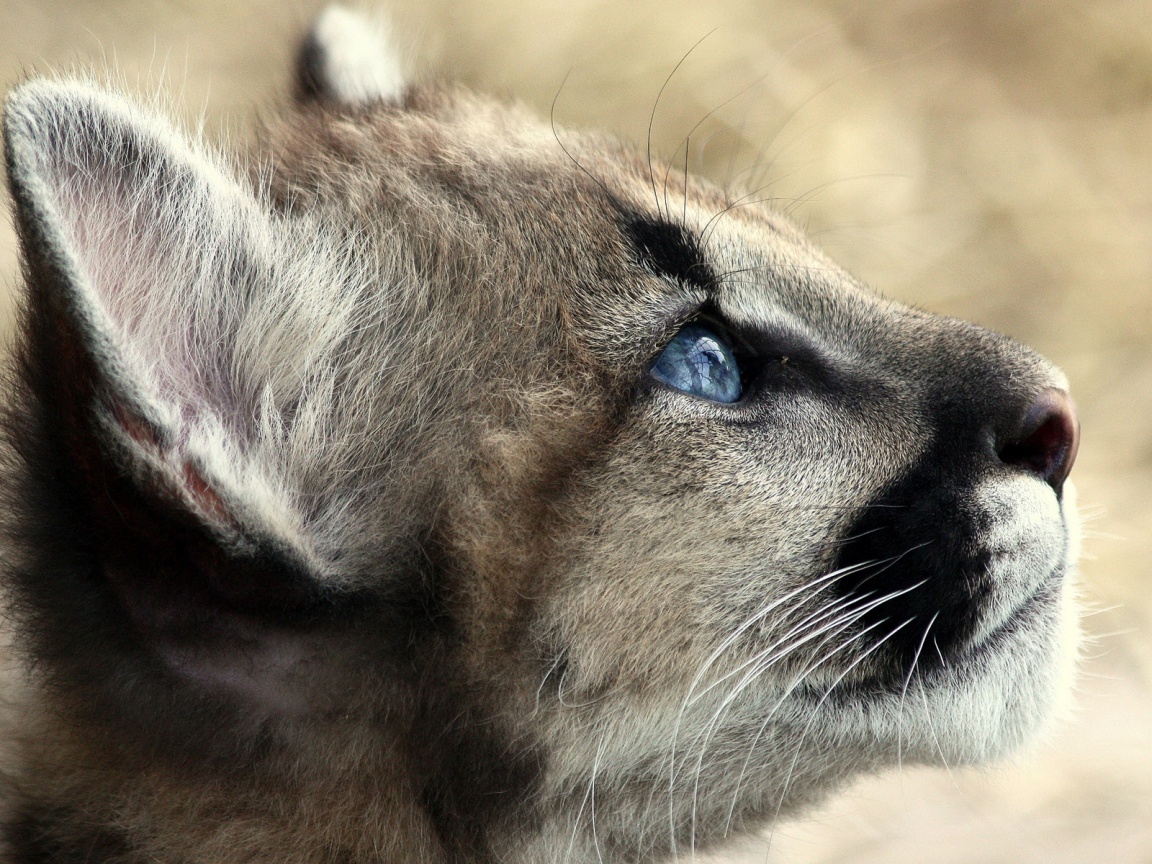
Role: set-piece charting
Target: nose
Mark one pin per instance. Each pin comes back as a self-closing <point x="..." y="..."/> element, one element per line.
<point x="1048" y="439"/>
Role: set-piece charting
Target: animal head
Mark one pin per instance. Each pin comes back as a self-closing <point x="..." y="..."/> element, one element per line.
<point x="447" y="487"/>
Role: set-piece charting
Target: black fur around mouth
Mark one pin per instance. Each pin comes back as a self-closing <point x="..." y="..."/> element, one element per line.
<point x="929" y="664"/>
<point x="913" y="561"/>
<point x="914" y="566"/>
<point x="916" y="571"/>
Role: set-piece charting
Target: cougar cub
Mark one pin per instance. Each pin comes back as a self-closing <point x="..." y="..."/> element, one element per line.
<point x="445" y="489"/>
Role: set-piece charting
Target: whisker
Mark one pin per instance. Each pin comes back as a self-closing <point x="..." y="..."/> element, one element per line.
<point x="936" y="738"/>
<point x="855" y="614"/>
<point x="831" y="630"/>
<point x="844" y="625"/>
<point x="652" y="117"/>
<point x="800" y="680"/>
<point x="815" y="709"/>
<point x="761" y="164"/>
<point x="904" y="689"/>
<point x="592" y="804"/>
<point x="810" y="587"/>
<point x="556" y="134"/>
<point x="692" y="131"/>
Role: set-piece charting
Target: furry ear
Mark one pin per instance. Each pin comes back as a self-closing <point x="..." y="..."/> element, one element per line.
<point x="348" y="58"/>
<point x="143" y="257"/>
<point x="143" y="253"/>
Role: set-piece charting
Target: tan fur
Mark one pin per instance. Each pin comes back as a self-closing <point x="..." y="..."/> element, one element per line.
<point x="540" y="607"/>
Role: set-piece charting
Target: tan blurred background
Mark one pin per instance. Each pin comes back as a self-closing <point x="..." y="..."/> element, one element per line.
<point x="986" y="158"/>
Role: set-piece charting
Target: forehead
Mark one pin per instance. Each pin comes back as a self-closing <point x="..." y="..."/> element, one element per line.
<point x="520" y="206"/>
<point x="726" y="247"/>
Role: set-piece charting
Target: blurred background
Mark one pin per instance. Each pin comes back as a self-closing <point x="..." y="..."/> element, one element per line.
<point x="990" y="159"/>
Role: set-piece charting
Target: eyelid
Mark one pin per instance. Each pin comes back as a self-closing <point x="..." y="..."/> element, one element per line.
<point x="673" y="324"/>
<point x="714" y="319"/>
<point x="772" y="331"/>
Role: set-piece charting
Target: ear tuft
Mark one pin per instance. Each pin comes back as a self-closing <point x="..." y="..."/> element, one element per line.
<point x="348" y="58"/>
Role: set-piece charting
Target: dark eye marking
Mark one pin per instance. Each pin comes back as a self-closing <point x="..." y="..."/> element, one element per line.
<point x="669" y="250"/>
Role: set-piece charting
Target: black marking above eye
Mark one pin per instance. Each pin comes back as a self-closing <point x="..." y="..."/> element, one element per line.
<point x="669" y="250"/>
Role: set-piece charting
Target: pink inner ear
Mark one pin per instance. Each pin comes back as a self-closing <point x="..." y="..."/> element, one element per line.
<point x="195" y="486"/>
<point x="137" y="429"/>
<point x="150" y="247"/>
<point x="205" y="496"/>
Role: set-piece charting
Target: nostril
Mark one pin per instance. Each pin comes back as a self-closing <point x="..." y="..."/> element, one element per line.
<point x="1048" y="440"/>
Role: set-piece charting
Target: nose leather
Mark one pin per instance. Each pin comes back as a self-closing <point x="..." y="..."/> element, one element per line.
<point x="1048" y="440"/>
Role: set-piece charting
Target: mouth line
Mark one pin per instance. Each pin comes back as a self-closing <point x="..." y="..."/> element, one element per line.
<point x="874" y="685"/>
<point x="976" y="649"/>
<point x="1019" y="613"/>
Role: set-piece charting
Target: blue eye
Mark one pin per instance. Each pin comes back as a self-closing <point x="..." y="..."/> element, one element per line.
<point x="700" y="361"/>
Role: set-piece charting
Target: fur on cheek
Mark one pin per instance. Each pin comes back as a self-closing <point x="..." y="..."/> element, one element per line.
<point x="348" y="521"/>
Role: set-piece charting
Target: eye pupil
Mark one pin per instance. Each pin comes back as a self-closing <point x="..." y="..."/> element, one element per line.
<point x="699" y="361"/>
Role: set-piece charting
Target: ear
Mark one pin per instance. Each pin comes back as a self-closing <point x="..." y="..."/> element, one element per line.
<point x="348" y="58"/>
<point x="142" y="256"/>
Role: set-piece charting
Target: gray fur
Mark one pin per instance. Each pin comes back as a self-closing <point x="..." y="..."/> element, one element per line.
<point x="542" y="609"/>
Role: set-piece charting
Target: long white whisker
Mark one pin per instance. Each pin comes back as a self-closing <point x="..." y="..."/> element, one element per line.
<point x="800" y="626"/>
<point x="764" y="660"/>
<point x="788" y="691"/>
<point x="904" y="692"/>
<point x="576" y="824"/>
<point x="833" y="628"/>
<point x="764" y="611"/>
<point x="857" y="609"/>
<point x="935" y="738"/>
<point x="815" y="710"/>
<point x="793" y="685"/>
<point x="811" y="588"/>
<point x="592" y="799"/>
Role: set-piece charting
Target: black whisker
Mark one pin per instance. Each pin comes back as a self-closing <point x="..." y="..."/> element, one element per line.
<point x="567" y="152"/>
<point x="652" y="116"/>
